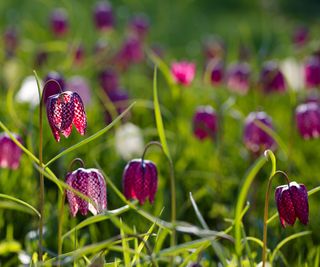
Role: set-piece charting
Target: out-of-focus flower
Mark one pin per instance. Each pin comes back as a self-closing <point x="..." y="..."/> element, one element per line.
<point x="293" y="72"/>
<point x="59" y="22"/>
<point x="109" y="80"/>
<point x="131" y="52"/>
<point x="63" y="110"/>
<point x="28" y="92"/>
<point x="41" y="58"/>
<point x="215" y="70"/>
<point x="271" y="78"/>
<point x="256" y="139"/>
<point x="140" y="180"/>
<point x="129" y="141"/>
<point x="78" y="52"/>
<point x="312" y="72"/>
<point x="205" y="123"/>
<point x="91" y="183"/>
<point x="80" y="85"/>
<point x="292" y="203"/>
<point x="300" y="36"/>
<point x="238" y="78"/>
<point x="308" y="120"/>
<point x="53" y="88"/>
<point x="183" y="72"/>
<point x="214" y="48"/>
<point x="139" y="25"/>
<point x="10" y="40"/>
<point x="103" y="15"/>
<point x="119" y="98"/>
<point x="10" y="153"/>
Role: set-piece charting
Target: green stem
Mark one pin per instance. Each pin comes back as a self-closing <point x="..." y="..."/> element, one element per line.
<point x="173" y="203"/>
<point x="60" y="225"/>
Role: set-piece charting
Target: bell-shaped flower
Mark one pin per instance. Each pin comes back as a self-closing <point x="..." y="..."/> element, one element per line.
<point x="28" y="92"/>
<point x="140" y="180"/>
<point x="271" y="78"/>
<point x="238" y="78"/>
<point x="59" y="22"/>
<point x="139" y="25"/>
<point x="63" y="110"/>
<point x="53" y="88"/>
<point x="205" y="124"/>
<point x="293" y="72"/>
<point x="10" y="153"/>
<point x="308" y="120"/>
<point x="183" y="72"/>
<point x="103" y="15"/>
<point x="312" y="72"/>
<point x="255" y="138"/>
<point x="215" y="67"/>
<point x="292" y="203"/>
<point x="91" y="183"/>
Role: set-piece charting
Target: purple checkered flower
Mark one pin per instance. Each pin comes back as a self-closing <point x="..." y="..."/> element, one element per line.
<point x="256" y="139"/>
<point x="238" y="78"/>
<point x="103" y="16"/>
<point x="59" y="22"/>
<point x="10" y="153"/>
<point x="312" y="72"/>
<point x="271" y="78"/>
<point x="308" y="120"/>
<point x="183" y="72"/>
<point x="63" y="110"/>
<point x="91" y="183"/>
<point x="292" y="203"/>
<point x="140" y="180"/>
<point x="205" y="123"/>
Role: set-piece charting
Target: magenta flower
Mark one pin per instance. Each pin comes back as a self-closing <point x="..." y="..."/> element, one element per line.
<point x="140" y="180"/>
<point x="271" y="78"/>
<point x="131" y="52"/>
<point x="119" y="98"/>
<point x="308" y="120"/>
<point x="300" y="36"/>
<point x="238" y="78"/>
<point x="63" y="110"/>
<point x="205" y="123"/>
<point x="10" y="153"/>
<point x="91" y="183"/>
<point x="216" y="68"/>
<point x="103" y="15"/>
<point x="79" y="54"/>
<point x="312" y="72"/>
<point x="10" y="40"/>
<point x="59" y="22"/>
<point x="109" y="80"/>
<point x="256" y="139"/>
<point x="214" y="48"/>
<point x="292" y="203"/>
<point x="183" y="72"/>
<point x="139" y="25"/>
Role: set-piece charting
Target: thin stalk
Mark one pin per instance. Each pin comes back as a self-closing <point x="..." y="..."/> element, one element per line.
<point x="60" y="225"/>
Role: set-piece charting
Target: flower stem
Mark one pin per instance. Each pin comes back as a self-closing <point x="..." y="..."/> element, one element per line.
<point x="60" y="225"/>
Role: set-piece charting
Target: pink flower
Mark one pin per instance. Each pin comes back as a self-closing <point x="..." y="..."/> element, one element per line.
<point x="10" y="153"/>
<point x="183" y="72"/>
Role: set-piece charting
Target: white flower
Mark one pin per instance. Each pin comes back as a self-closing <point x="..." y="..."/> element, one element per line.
<point x="28" y="92"/>
<point x="267" y="264"/>
<point x="293" y="71"/>
<point x="129" y="141"/>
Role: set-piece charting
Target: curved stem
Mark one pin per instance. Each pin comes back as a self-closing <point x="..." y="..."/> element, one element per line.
<point x="152" y="143"/>
<point x="79" y="160"/>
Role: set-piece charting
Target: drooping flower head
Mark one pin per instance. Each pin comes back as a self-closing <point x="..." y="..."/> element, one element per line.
<point x="255" y="138"/>
<point x="91" y="183"/>
<point x="63" y="110"/>
<point x="312" y="72"/>
<point x="139" y="25"/>
<point x="292" y="203"/>
<point x="215" y="67"/>
<point x="109" y="80"/>
<point x="52" y="88"/>
<point x="119" y="99"/>
<point x="59" y="22"/>
<point x="10" y="153"/>
<point x="214" y="48"/>
<point x="238" y="78"/>
<point x="140" y="180"/>
<point x="10" y="40"/>
<point x="183" y="72"/>
<point x="205" y="123"/>
<point x="308" y="120"/>
<point x="103" y="16"/>
<point x="271" y="78"/>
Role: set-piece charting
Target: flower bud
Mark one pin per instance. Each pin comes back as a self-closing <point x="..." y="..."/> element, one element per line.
<point x="10" y="153"/>
<point x="205" y="123"/>
<point x="183" y="72"/>
<point x="308" y="120"/>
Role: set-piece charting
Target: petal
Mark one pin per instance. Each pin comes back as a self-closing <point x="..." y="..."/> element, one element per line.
<point x="72" y="198"/>
<point x="141" y="182"/>
<point x="152" y="170"/>
<point x="285" y="206"/>
<point x="97" y="191"/>
<point x="67" y="131"/>
<point x="79" y="118"/>
<point x="299" y="196"/>
<point x="51" y="103"/>
<point x="81" y="184"/>
<point x="67" y="109"/>
<point x="128" y="179"/>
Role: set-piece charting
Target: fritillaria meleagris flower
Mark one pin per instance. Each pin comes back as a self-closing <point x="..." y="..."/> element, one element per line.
<point x="131" y="52"/>
<point x="214" y="48"/>
<point x="312" y="72"/>
<point x="255" y="138"/>
<point x="140" y="180"/>
<point x="183" y="72"/>
<point x="10" y="40"/>
<point x="293" y="72"/>
<point x="28" y="92"/>
<point x="308" y="120"/>
<point x="216" y="70"/>
<point x="238" y="78"/>
<point x="59" y="22"/>
<point x="10" y="153"/>
<point x="91" y="183"/>
<point x="109" y="80"/>
<point x="119" y="99"/>
<point x="53" y="88"/>
<point x="103" y="15"/>
<point x="300" y="36"/>
<point x="63" y="110"/>
<point x="139" y="25"/>
<point x="271" y="78"/>
<point x="292" y="203"/>
<point x="205" y="122"/>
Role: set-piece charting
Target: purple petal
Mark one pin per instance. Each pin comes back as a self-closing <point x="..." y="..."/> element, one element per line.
<point x="299" y="196"/>
<point x="285" y="206"/>
<point x="79" y="118"/>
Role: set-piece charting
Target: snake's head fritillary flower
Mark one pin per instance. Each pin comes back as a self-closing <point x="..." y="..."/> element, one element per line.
<point x="53" y="88"/>
<point x="131" y="52"/>
<point x="91" y="183"/>
<point x="308" y="120"/>
<point x="10" y="153"/>
<point x="216" y="70"/>
<point x="10" y="40"/>
<point x="205" y="123"/>
<point x="103" y="16"/>
<point x="41" y="58"/>
<point x="255" y="138"/>
<point x="109" y="80"/>
<point x="59" y="22"/>
<point x="293" y="72"/>
<point x="28" y="92"/>
<point x="119" y="98"/>
<point x="300" y="36"/>
<point x="271" y="78"/>
<point x="140" y="180"/>
<point x="139" y="25"/>
<point x="214" y="48"/>
<point x="312" y="72"/>
<point x="183" y="72"/>
<point x="78" y="54"/>
<point x="292" y="203"/>
<point x="63" y="110"/>
<point x="238" y="78"/>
